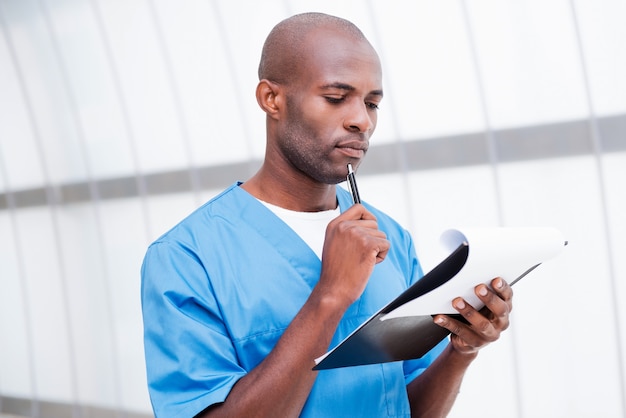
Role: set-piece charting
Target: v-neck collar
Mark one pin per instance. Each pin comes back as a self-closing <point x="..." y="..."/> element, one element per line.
<point x="281" y="236"/>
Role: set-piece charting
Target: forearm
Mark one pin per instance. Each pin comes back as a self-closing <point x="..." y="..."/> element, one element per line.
<point x="281" y="383"/>
<point x="433" y="393"/>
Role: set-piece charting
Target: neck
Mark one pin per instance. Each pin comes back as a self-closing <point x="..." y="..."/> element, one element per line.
<point x="292" y="190"/>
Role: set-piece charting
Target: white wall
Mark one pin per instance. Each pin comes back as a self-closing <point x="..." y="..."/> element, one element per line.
<point x="92" y="90"/>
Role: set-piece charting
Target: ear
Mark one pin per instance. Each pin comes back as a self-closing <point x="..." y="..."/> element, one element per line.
<point x="269" y="95"/>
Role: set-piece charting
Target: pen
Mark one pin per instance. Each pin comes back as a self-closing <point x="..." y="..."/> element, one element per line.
<point x="354" y="192"/>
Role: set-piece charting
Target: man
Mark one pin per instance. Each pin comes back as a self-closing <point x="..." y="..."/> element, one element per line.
<point x="243" y="295"/>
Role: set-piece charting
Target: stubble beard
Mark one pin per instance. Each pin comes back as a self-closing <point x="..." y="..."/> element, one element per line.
<point x="300" y="151"/>
<point x="302" y="148"/>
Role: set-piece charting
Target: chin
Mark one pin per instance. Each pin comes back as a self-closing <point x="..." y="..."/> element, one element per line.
<point x="331" y="173"/>
<point x="331" y="179"/>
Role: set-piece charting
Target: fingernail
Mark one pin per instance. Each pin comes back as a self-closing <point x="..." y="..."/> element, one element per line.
<point x="499" y="283"/>
<point x="459" y="304"/>
<point x="482" y="290"/>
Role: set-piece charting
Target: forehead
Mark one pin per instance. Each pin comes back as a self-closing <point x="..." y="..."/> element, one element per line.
<point x="335" y="56"/>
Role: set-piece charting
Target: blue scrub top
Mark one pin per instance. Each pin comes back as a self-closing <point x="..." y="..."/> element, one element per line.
<point x="220" y="288"/>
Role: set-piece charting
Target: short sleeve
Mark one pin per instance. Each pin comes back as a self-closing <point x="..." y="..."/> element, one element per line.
<point x="190" y="360"/>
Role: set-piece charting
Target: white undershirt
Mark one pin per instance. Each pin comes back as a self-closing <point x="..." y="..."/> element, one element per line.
<point x="310" y="226"/>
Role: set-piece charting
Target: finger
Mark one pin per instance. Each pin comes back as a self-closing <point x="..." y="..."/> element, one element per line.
<point x="358" y="211"/>
<point x="364" y="229"/>
<point x="479" y="323"/>
<point x="356" y="228"/>
<point x="461" y="332"/>
<point x="382" y="250"/>
<point x="496" y="309"/>
<point x="352" y="220"/>
<point x="504" y="290"/>
<point x="367" y="241"/>
<point x="366" y="223"/>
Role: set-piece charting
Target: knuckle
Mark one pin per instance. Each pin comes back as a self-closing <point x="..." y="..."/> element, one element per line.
<point x="505" y="324"/>
<point x="456" y="330"/>
<point x="467" y="312"/>
<point x="485" y="327"/>
<point x="343" y="226"/>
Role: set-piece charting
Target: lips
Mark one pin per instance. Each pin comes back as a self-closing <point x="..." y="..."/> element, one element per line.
<point x="357" y="153"/>
<point x="353" y="148"/>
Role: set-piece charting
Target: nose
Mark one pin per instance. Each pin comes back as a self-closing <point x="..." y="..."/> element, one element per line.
<point x="360" y="118"/>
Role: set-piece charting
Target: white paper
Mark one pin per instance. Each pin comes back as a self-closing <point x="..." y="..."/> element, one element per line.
<point x="493" y="252"/>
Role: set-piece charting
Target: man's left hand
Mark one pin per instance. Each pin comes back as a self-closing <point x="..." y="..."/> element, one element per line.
<point x="484" y="326"/>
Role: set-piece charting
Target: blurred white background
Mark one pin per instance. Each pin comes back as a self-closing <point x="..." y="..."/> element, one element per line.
<point x="119" y="117"/>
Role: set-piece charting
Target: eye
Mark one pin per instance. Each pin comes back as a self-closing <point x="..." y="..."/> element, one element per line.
<point x="372" y="105"/>
<point x="334" y="100"/>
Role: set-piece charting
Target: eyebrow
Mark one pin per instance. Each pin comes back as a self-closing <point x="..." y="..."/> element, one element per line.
<point x="348" y="87"/>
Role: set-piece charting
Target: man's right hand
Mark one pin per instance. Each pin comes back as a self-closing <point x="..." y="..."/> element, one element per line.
<point x="352" y="247"/>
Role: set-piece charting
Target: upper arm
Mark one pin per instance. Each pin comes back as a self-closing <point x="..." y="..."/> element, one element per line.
<point x="190" y="360"/>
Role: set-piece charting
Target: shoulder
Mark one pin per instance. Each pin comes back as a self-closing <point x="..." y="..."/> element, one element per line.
<point x="221" y="208"/>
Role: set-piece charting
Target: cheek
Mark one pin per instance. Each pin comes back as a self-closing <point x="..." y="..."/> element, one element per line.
<point x="374" y="121"/>
<point x="314" y="122"/>
<point x="316" y="130"/>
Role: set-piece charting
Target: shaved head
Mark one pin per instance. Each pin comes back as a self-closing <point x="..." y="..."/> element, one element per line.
<point x="284" y="50"/>
<point x="320" y="84"/>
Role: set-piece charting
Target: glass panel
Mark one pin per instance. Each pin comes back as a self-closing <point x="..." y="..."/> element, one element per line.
<point x="557" y="309"/>
<point x="492" y="374"/>
<point x="123" y="257"/>
<point x="444" y="199"/>
<point x="530" y="61"/>
<point x="18" y="152"/>
<point x="603" y="33"/>
<point x="428" y="70"/>
<point x="207" y="89"/>
<point x="89" y="305"/>
<point x="165" y="211"/>
<point x="388" y="193"/>
<point x="53" y="121"/>
<point x="614" y="176"/>
<point x="105" y="146"/>
<point x="139" y="59"/>
<point x="52" y="347"/>
<point x="15" y="367"/>
<point x="243" y="50"/>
